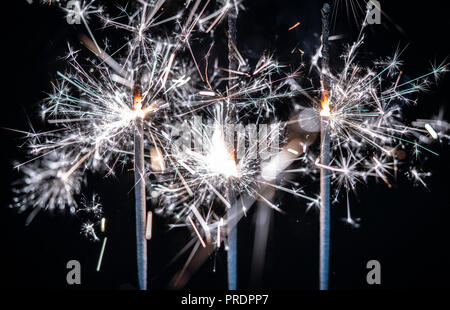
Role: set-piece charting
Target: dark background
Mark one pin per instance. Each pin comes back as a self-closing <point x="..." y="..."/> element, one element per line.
<point x="405" y="228"/>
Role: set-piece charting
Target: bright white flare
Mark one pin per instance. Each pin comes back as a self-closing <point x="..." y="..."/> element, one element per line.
<point x="219" y="159"/>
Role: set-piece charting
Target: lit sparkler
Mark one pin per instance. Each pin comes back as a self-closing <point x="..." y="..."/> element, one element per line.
<point x="104" y="110"/>
<point x="325" y="154"/>
<point x="362" y="112"/>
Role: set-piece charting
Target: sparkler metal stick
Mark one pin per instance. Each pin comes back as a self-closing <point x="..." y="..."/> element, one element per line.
<point x="139" y="189"/>
<point x="325" y="176"/>
<point x="232" y="227"/>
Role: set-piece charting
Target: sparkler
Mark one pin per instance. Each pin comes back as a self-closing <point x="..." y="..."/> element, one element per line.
<point x="232" y="253"/>
<point x="362" y="131"/>
<point x="96" y="122"/>
<point x="325" y="156"/>
<point x="139" y="186"/>
<point x="196" y="187"/>
<point x="197" y="201"/>
<point x="365" y="114"/>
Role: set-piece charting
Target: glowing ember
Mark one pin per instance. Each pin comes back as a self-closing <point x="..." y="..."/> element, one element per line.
<point x="325" y="107"/>
<point x="139" y="110"/>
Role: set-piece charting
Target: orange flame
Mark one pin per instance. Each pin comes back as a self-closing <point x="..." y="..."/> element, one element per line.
<point x="325" y="106"/>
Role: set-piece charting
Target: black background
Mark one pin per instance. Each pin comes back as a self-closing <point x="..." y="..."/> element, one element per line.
<point x="405" y="228"/>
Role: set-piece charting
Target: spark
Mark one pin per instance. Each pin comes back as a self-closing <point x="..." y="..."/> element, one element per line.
<point x="431" y="130"/>
<point x="149" y="226"/>
<point x="103" y="224"/>
<point x="207" y="93"/>
<point x="294" y="26"/>
<point x="219" y="233"/>
<point x="197" y="232"/>
<point x="88" y="231"/>
<point x="102" y="251"/>
<point x="293" y="151"/>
